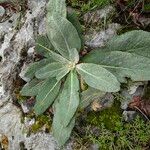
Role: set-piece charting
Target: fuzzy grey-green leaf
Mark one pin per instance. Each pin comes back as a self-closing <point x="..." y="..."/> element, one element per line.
<point x="69" y="98"/>
<point x="60" y="132"/>
<point x="62" y="73"/>
<point x="74" y="55"/>
<point x="46" y="95"/>
<point x="50" y="70"/>
<point x="31" y="88"/>
<point x="43" y="40"/>
<point x="63" y="35"/>
<point x="122" y="64"/>
<point x="56" y="7"/>
<point x="30" y="72"/>
<point x="136" y="42"/>
<point x="98" y="77"/>
<point x="58" y="57"/>
<point x="74" y="19"/>
<point x="55" y="56"/>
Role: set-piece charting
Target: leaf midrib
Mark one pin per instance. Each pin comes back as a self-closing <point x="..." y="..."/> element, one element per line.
<point x="94" y="75"/>
<point x="53" y="71"/>
<point x="62" y="35"/>
<point x="70" y="97"/>
<point x="114" y="67"/>
<point x="41" y="102"/>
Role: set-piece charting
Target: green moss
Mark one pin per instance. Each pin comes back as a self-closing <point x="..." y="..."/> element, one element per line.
<point x="41" y="121"/>
<point x="108" y="117"/>
<point x="87" y="5"/>
<point x="18" y="96"/>
<point x="124" y="136"/>
<point x="128" y="136"/>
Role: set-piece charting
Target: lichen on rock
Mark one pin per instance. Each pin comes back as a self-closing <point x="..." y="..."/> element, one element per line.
<point x="17" y="40"/>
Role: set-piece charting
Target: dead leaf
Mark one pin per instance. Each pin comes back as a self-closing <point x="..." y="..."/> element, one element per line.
<point x="4" y="142"/>
<point x="142" y="104"/>
<point x="96" y="106"/>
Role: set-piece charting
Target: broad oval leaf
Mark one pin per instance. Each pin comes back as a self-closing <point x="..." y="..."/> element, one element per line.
<point x="63" y="35"/>
<point x="62" y="73"/>
<point x="60" y="132"/>
<point x="31" y="88"/>
<point x="74" y="56"/>
<point x="43" y="40"/>
<point x="98" y="77"/>
<point x="56" y="57"/>
<point x="30" y="71"/>
<point x="122" y="64"/>
<point x="50" y="70"/>
<point x="69" y="99"/>
<point x="46" y="95"/>
<point x="73" y="18"/>
<point x="137" y="42"/>
<point x="56" y="7"/>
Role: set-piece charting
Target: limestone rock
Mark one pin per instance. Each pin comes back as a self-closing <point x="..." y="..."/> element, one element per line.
<point x="17" y="49"/>
<point x="10" y="125"/>
<point x="97" y="15"/>
<point x="96" y="39"/>
<point x="40" y="141"/>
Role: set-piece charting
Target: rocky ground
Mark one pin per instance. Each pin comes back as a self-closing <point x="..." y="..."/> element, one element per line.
<point x="19" y="26"/>
<point x="17" y="33"/>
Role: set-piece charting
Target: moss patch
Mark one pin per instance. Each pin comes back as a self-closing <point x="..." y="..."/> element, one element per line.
<point x="87" y="5"/>
<point x="42" y="121"/>
<point x="108" y="117"/>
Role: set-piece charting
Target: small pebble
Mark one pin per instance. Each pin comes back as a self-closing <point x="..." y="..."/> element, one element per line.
<point x="94" y="147"/>
<point x="2" y="11"/>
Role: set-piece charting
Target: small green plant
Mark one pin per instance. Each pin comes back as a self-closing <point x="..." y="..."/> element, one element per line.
<point x="87" y="5"/>
<point x="55" y="80"/>
<point x="134" y="135"/>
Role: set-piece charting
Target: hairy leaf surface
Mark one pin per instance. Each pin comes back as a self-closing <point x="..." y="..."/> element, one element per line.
<point x="69" y="99"/>
<point x="55" y="56"/>
<point x="136" y="42"/>
<point x="56" y="7"/>
<point x="74" y="56"/>
<point x="47" y="94"/>
<point x="50" y="70"/>
<point x="30" y="72"/>
<point x="63" y="35"/>
<point x="98" y="77"/>
<point x="73" y="18"/>
<point x="60" y="132"/>
<point x="31" y="88"/>
<point x="122" y="64"/>
<point x="43" y="40"/>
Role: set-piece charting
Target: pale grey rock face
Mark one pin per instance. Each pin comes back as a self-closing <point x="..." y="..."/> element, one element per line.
<point x="96" y="36"/>
<point x="94" y="147"/>
<point x="40" y="141"/>
<point x="98" y="15"/>
<point x="96" y="39"/>
<point x="10" y="125"/>
<point x="12" y="46"/>
<point x="129" y="115"/>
